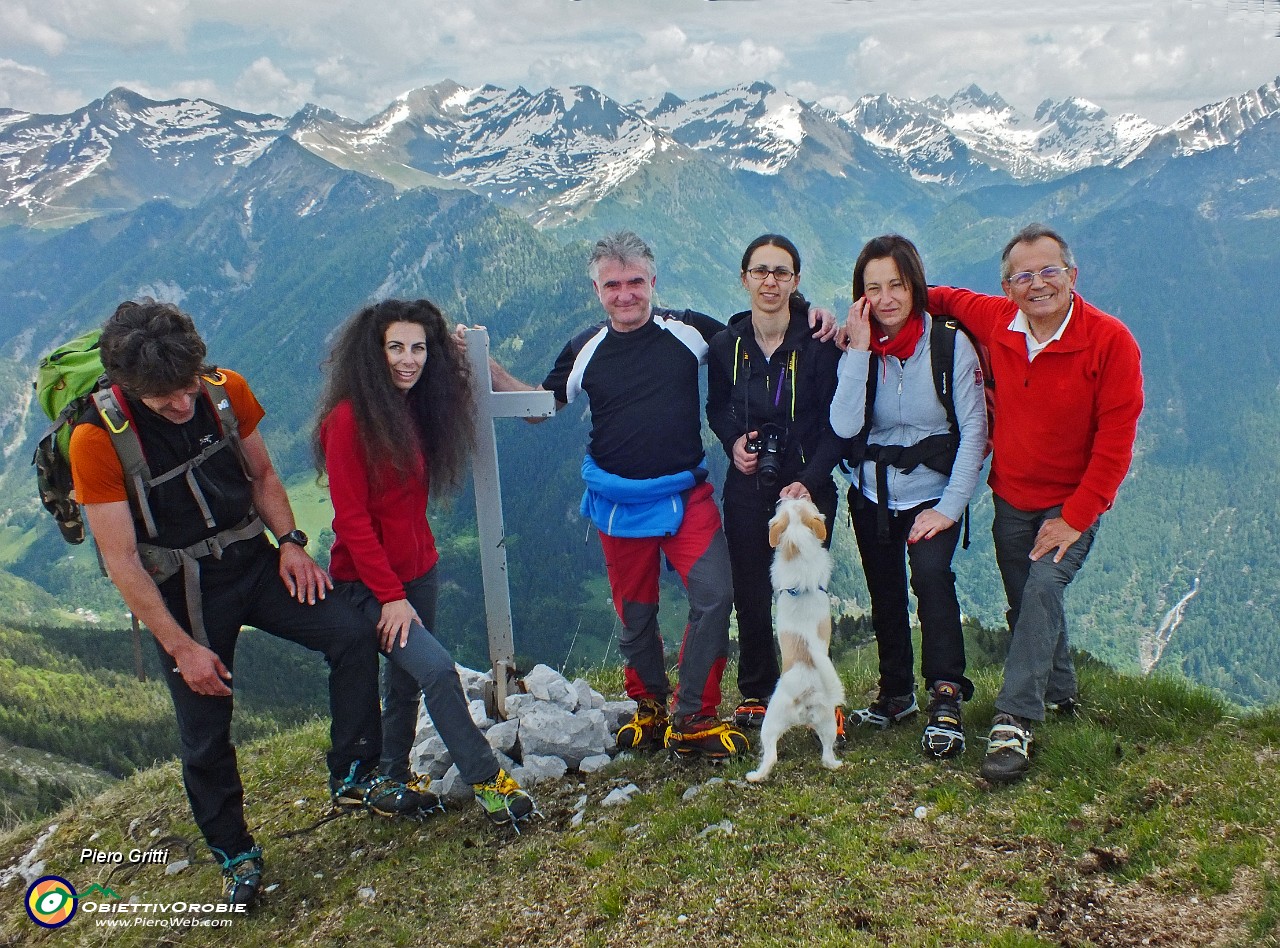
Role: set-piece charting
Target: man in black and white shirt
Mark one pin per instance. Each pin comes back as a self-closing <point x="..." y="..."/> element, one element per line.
<point x="648" y="494"/>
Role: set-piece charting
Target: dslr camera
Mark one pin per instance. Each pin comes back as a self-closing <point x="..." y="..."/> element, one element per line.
<point x="770" y="442"/>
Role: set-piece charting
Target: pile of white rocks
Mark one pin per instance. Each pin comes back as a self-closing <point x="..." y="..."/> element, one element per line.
<point x="554" y="728"/>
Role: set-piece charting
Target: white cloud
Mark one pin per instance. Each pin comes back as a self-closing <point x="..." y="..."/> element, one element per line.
<point x="20" y="83"/>
<point x="1148" y="56"/>
<point x="264" y="87"/>
<point x="23" y="28"/>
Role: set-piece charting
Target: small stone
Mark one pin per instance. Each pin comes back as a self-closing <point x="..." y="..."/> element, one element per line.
<point x="272" y="887"/>
<point x="550" y="730"/>
<point x="724" y="826"/>
<point x="503" y="735"/>
<point x="453" y="788"/>
<point x="588" y="697"/>
<point x="921" y="812"/>
<point x="480" y="714"/>
<point x="547" y="684"/>
<point x="175" y="867"/>
<point x="521" y="704"/>
<point x="590" y="765"/>
<point x="536" y="769"/>
<point x="366" y="893"/>
<point x="620" y="795"/>
<point x="618" y="713"/>
<point x="474" y="682"/>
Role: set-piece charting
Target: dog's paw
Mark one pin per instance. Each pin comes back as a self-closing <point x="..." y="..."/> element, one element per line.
<point x="756" y="776"/>
<point x="831" y="764"/>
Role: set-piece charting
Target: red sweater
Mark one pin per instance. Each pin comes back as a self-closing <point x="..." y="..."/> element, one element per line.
<point x="383" y="538"/>
<point x="1065" y="423"/>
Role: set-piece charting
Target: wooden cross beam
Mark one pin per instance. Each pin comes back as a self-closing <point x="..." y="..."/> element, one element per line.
<point x="493" y="537"/>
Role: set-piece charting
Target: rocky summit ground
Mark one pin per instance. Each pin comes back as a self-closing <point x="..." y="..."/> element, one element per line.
<point x="1148" y="819"/>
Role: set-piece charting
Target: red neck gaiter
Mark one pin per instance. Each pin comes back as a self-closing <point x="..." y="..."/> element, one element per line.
<point x="904" y="343"/>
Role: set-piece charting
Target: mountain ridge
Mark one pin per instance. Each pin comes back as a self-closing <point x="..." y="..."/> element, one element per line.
<point x="553" y="153"/>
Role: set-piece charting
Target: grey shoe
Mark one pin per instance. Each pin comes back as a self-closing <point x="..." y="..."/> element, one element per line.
<point x="1008" y="749"/>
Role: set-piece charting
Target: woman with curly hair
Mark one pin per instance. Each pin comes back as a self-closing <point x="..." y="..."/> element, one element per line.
<point x="395" y="416"/>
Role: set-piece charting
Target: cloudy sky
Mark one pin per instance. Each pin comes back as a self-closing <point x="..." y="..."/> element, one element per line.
<point x="1158" y="58"/>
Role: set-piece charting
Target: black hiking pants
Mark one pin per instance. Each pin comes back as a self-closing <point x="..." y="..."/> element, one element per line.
<point x="246" y="589"/>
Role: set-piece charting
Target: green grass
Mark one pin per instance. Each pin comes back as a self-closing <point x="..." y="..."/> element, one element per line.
<point x="1148" y="816"/>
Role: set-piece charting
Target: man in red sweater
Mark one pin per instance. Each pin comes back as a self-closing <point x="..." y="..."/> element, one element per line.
<point x="1068" y="393"/>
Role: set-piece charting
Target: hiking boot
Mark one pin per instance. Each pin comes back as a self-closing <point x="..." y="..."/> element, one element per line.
<point x="242" y="876"/>
<point x="428" y="802"/>
<point x="646" y="727"/>
<point x="886" y="710"/>
<point x="841" y="739"/>
<point x="503" y="801"/>
<point x="1066" y="708"/>
<point x="706" y="737"/>
<point x="750" y="714"/>
<point x="382" y="795"/>
<point x="943" y="736"/>
<point x="1008" y="749"/>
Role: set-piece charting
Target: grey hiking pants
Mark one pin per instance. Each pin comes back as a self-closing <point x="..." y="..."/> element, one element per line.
<point x="1038" y="667"/>
<point x="422" y="668"/>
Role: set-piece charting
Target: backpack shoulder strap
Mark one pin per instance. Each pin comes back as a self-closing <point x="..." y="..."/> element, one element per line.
<point x="942" y="344"/>
<point x="873" y="378"/>
<point x="942" y="347"/>
<point x="216" y="391"/>
<point x="113" y="410"/>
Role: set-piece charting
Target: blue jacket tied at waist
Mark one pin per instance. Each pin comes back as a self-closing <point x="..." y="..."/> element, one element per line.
<point x="625" y="507"/>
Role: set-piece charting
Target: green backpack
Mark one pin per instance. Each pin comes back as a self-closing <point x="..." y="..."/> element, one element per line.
<point x="65" y="382"/>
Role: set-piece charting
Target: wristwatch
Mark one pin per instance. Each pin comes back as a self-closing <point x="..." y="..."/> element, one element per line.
<point x="293" y="536"/>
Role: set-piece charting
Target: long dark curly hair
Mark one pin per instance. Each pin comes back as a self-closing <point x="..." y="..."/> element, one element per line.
<point x="439" y="408"/>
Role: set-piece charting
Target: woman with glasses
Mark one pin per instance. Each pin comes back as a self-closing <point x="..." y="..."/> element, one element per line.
<point x="919" y="461"/>
<point x="396" y="420"/>
<point x="770" y="384"/>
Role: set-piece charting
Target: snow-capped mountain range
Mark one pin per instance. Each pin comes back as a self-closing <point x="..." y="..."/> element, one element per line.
<point x="552" y="154"/>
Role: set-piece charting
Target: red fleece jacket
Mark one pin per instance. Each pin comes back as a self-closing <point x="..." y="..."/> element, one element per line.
<point x="1064" y="424"/>
<point x="381" y="537"/>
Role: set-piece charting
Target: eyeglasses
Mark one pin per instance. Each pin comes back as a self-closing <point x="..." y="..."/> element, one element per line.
<point x="781" y="274"/>
<point x="1024" y="277"/>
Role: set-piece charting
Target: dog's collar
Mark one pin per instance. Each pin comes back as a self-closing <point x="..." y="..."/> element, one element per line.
<point x="797" y="591"/>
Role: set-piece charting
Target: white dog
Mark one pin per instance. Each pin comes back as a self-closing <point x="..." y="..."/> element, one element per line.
<point x="809" y="690"/>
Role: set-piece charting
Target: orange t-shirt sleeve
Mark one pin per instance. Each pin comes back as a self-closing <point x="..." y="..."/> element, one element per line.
<point x="96" y="470"/>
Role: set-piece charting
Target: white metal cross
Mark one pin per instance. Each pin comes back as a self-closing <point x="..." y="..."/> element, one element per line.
<point x="493" y="537"/>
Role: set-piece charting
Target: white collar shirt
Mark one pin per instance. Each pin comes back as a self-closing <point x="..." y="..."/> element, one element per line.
<point x="1034" y="345"/>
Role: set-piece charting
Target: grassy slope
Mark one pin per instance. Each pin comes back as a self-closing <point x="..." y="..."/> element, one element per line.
<point x="1148" y="820"/>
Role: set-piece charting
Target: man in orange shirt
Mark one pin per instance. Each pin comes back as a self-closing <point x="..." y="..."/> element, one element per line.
<point x="1068" y="392"/>
<point x="181" y="534"/>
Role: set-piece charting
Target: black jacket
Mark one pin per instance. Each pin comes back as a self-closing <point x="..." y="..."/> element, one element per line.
<point x="792" y="389"/>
